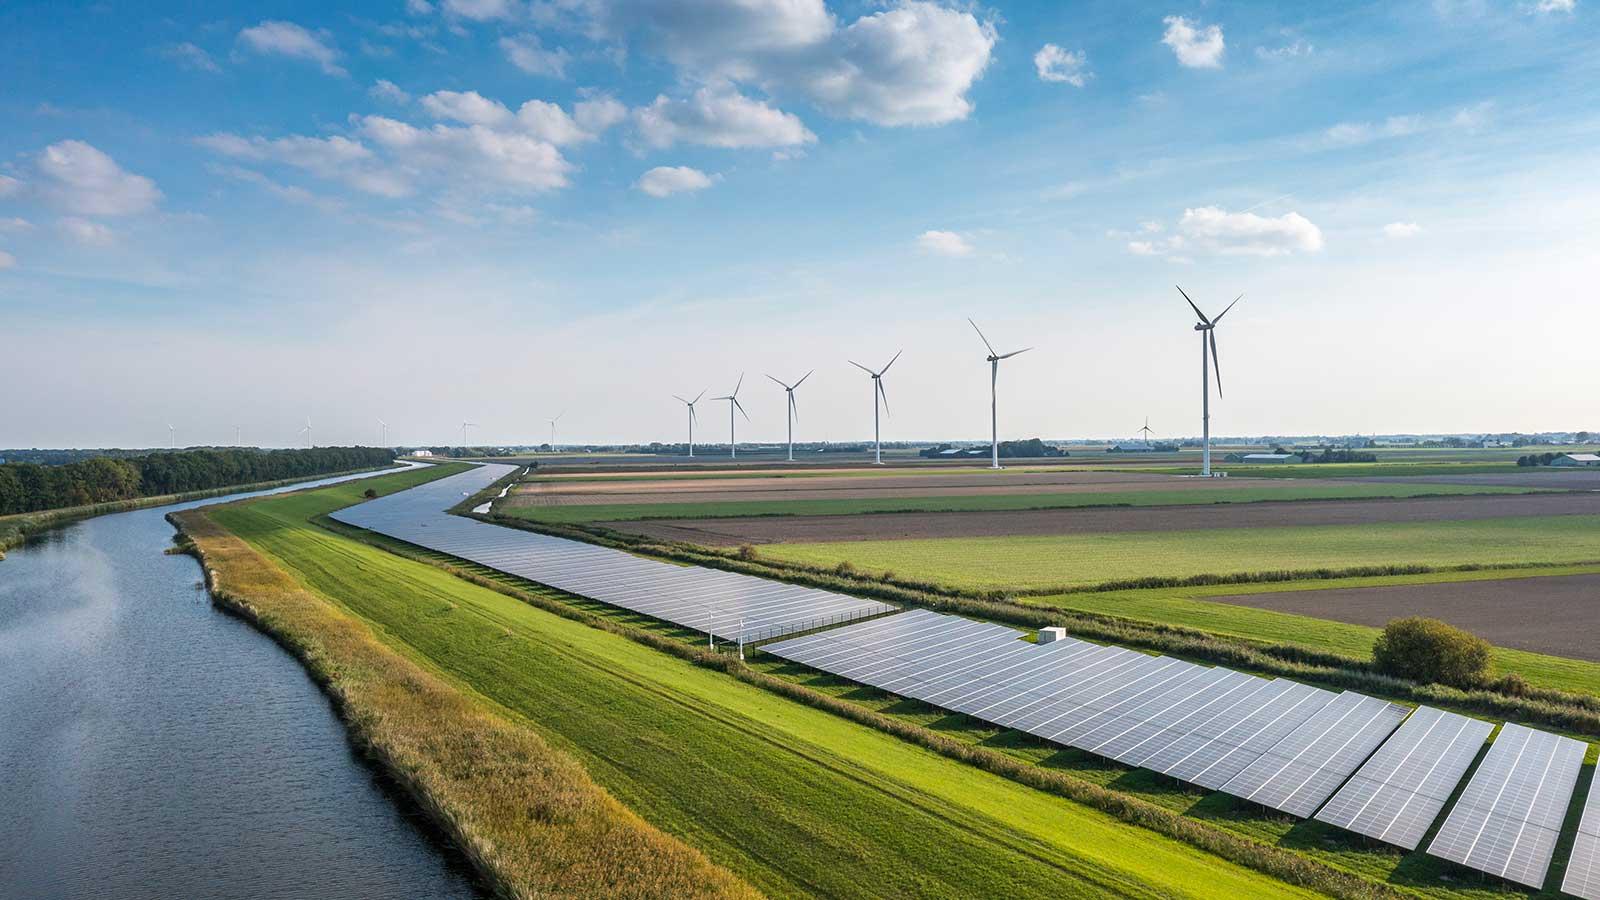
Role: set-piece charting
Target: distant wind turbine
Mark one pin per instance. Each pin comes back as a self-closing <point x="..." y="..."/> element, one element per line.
<point x="383" y="433"/>
<point x="236" y="440"/>
<point x="1208" y="345"/>
<point x="553" y="430"/>
<point x="994" y="402"/>
<point x="172" y="435"/>
<point x="1145" y="431"/>
<point x="307" y="432"/>
<point x="877" y="392"/>
<point x="464" y="426"/>
<point x="733" y="403"/>
<point x="794" y="411"/>
<point x="692" y="419"/>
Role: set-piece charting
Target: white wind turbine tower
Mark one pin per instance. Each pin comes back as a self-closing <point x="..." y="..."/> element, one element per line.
<point x="877" y="392"/>
<point x="307" y="432"/>
<point x="553" y="430"/>
<point x="172" y="435"/>
<point x="733" y="403"/>
<point x="1145" y="431"/>
<point x="383" y="433"/>
<point x="994" y="402"/>
<point x="1208" y="344"/>
<point x="794" y="411"/>
<point x="692" y="419"/>
<point x="236" y="438"/>
<point x="464" y="426"/>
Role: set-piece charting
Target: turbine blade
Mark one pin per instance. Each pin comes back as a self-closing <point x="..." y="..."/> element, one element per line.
<point x="1193" y="307"/>
<point x="861" y="367"/>
<point x="802" y="379"/>
<point x="981" y="337"/>
<point x="679" y="399"/>
<point x="1215" y="364"/>
<point x="794" y="407"/>
<point x="778" y="383"/>
<point x="738" y="384"/>
<point x="1230" y="306"/>
<point x="740" y="407"/>
<point x="885" y="395"/>
<point x="701" y="394"/>
<point x="891" y="362"/>
<point x="692" y="416"/>
<point x="1014" y="353"/>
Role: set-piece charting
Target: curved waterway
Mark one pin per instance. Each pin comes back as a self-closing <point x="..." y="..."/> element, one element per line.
<point x="152" y="746"/>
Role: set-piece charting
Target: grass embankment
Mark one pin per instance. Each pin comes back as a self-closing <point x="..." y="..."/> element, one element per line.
<point x="15" y="529"/>
<point x="794" y="799"/>
<point x="1050" y="563"/>
<point x="618" y="512"/>
<point x="525" y="813"/>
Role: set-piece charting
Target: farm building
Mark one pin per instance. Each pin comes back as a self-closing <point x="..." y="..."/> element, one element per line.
<point x="1263" y="458"/>
<point x="1571" y="460"/>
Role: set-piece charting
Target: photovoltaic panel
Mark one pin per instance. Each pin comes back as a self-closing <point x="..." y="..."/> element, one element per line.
<point x="1583" y="867"/>
<point x="1303" y="769"/>
<point x="1219" y="750"/>
<point x="1401" y="790"/>
<point x="730" y="605"/>
<point x="1509" y="817"/>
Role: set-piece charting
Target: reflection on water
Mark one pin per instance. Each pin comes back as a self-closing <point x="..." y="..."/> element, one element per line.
<point x="151" y="746"/>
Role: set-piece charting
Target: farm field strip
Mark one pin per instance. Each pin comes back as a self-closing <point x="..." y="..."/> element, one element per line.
<point x="794" y="799"/>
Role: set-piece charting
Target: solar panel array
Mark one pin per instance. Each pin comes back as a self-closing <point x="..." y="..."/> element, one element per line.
<point x="727" y="604"/>
<point x="1509" y="817"/>
<point x="1399" y="793"/>
<point x="1583" y="867"/>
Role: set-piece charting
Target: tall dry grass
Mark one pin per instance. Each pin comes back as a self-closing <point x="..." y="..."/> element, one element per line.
<point x="525" y="814"/>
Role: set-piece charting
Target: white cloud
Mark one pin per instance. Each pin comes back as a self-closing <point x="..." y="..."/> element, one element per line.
<point x="719" y="117"/>
<point x="83" y="180"/>
<point x="384" y="89"/>
<point x="1196" y="46"/>
<point x="86" y="232"/>
<point x="1400" y="230"/>
<point x="598" y="112"/>
<point x="723" y="38"/>
<point x="1297" y="47"/>
<point x="480" y="10"/>
<point x="14" y="225"/>
<point x="466" y="107"/>
<point x="190" y="56"/>
<point x="7" y="261"/>
<point x="334" y="158"/>
<point x="418" y="7"/>
<point x="1556" y="6"/>
<point x="1362" y="132"/>
<point x="1058" y="65"/>
<point x="278" y="38"/>
<point x="1208" y="229"/>
<point x="526" y="52"/>
<point x="9" y="186"/>
<point x="663" y="181"/>
<point x="944" y="243"/>
<point x="483" y="158"/>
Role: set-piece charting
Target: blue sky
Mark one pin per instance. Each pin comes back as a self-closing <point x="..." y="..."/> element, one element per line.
<point x="492" y="210"/>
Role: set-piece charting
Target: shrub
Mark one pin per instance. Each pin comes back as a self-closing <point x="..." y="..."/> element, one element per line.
<point x="369" y="493"/>
<point x="1427" y="650"/>
<point x="747" y="552"/>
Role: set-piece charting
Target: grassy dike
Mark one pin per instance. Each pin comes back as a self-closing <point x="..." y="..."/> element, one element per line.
<point x="524" y="813"/>
<point x="15" y="529"/>
<point x="796" y="798"/>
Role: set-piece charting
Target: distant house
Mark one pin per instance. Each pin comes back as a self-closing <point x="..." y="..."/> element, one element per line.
<point x="422" y="453"/>
<point x="1263" y="458"/>
<point x="1573" y="460"/>
<point x="1132" y="447"/>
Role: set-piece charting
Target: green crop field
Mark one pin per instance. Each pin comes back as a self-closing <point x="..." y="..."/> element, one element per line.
<point x="795" y="800"/>
<point x="616" y="512"/>
<point x="1041" y="563"/>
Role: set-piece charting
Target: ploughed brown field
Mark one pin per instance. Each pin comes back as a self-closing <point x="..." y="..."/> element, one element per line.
<point x="1552" y="614"/>
<point x="556" y="492"/>
<point x="1105" y="520"/>
<point x="1557" y="479"/>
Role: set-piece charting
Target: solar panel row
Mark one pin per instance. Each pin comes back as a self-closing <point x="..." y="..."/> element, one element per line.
<point x="1583" y="867"/>
<point x="1402" y="789"/>
<point x="1509" y="817"/>
<point x="727" y="604"/>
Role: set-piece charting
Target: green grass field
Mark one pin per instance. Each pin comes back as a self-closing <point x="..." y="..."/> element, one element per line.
<point x="1041" y="563"/>
<point x="614" y="512"/>
<point x="797" y="801"/>
<point x="1353" y="470"/>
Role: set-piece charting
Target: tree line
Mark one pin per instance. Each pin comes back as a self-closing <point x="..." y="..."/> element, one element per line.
<point x="30" y="487"/>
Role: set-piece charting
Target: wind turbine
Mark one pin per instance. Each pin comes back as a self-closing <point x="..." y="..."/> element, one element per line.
<point x="553" y="430"/>
<point x="464" y="426"/>
<point x="1145" y="431"/>
<point x="383" y="433"/>
<point x="307" y="432"/>
<point x="994" y="402"/>
<point x="794" y="411"/>
<point x="733" y="403"/>
<point x="690" y="404"/>
<point x="172" y="435"/>
<point x="236" y="432"/>
<point x="1208" y="336"/>
<point x="877" y="391"/>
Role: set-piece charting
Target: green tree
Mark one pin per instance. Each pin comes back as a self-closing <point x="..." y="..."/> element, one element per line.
<point x="1428" y="650"/>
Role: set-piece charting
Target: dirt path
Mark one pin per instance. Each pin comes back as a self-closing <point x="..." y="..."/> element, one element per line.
<point x="912" y="526"/>
<point x="1554" y="614"/>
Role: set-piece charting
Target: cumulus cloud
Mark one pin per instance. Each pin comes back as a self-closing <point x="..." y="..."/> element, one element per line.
<point x="481" y="156"/>
<point x="1296" y="47"/>
<point x="1556" y="6"/>
<point x="9" y="186"/>
<point x="191" y="57"/>
<point x="664" y="181"/>
<point x="278" y="38"/>
<point x="1363" y="132"/>
<point x="1196" y="46"/>
<point x="335" y="158"/>
<point x="528" y="53"/>
<point x="598" y="112"/>
<point x="84" y="231"/>
<point x="467" y="107"/>
<point x="7" y="261"/>
<point x="83" y="180"/>
<point x="724" y="38"/>
<point x="718" y="116"/>
<point x="1209" y="229"/>
<point x="386" y="90"/>
<point x="480" y="10"/>
<point x="944" y="243"/>
<point x="1058" y="65"/>
<point x="1400" y="230"/>
<point x="14" y="225"/>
